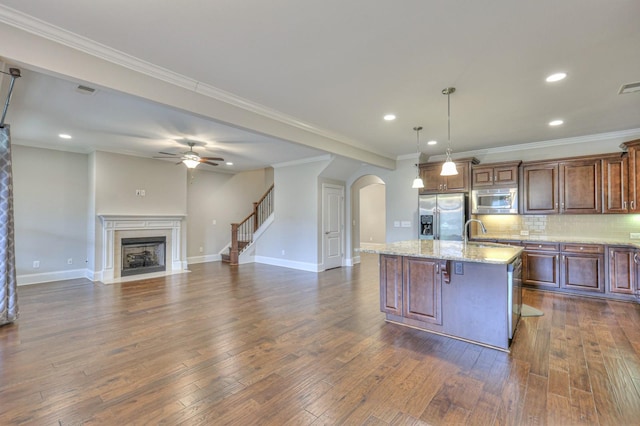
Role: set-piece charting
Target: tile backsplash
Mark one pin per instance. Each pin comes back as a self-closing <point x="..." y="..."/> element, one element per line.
<point x="593" y="225"/>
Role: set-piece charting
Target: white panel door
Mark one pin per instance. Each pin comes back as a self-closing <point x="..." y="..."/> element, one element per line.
<point x="332" y="232"/>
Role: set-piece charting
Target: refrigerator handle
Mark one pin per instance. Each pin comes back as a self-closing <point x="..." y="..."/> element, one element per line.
<point x="436" y="225"/>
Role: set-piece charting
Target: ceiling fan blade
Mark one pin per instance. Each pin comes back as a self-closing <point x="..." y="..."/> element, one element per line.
<point x="166" y="153"/>
<point x="209" y="163"/>
<point x="164" y="157"/>
<point x="213" y="158"/>
<point x="178" y="163"/>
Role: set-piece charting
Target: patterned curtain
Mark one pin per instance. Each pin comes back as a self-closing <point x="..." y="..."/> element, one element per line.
<point x="8" y="285"/>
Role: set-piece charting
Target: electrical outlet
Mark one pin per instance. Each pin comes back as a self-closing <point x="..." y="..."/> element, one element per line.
<point x="201" y="249"/>
<point x="36" y="264"/>
<point x="70" y="261"/>
<point x="524" y="232"/>
<point x="634" y="235"/>
<point x="213" y="222"/>
<point x="458" y="268"/>
<point x="138" y="192"/>
<point x="142" y="193"/>
<point x="283" y="252"/>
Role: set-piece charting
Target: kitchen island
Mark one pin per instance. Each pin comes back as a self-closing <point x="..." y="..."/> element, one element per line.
<point x="468" y="291"/>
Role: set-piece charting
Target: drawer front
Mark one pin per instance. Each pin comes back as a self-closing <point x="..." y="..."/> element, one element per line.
<point x="583" y="248"/>
<point x="542" y="246"/>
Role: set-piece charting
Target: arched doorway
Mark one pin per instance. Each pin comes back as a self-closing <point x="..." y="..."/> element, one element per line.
<point x="368" y="213"/>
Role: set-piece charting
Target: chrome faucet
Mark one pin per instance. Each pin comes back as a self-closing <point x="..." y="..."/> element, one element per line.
<point x="466" y="229"/>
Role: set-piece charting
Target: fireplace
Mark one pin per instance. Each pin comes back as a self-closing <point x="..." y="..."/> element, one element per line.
<point x="143" y="255"/>
<point x="116" y="228"/>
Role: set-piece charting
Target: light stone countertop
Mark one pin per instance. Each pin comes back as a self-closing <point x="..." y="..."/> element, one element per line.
<point x="561" y="239"/>
<point x="449" y="250"/>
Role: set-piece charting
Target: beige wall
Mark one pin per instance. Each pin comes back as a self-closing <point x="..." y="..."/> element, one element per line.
<point x="50" y="203"/>
<point x="372" y="214"/>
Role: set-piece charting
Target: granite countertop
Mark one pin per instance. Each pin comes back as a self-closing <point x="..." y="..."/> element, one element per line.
<point x="562" y="239"/>
<point x="449" y="250"/>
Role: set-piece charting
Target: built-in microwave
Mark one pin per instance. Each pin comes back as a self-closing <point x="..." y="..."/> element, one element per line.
<point x="494" y="201"/>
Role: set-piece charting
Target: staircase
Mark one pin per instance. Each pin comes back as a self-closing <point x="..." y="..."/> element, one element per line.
<point x="242" y="233"/>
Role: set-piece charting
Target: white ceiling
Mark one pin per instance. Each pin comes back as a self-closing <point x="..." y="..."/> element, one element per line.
<point x="340" y="66"/>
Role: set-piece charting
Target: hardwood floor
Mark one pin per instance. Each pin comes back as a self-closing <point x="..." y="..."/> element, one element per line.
<point x="258" y="344"/>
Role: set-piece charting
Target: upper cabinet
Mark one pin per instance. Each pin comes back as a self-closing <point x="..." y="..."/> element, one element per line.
<point x="615" y="178"/>
<point x="633" y="150"/>
<point x="433" y="182"/>
<point x="570" y="186"/>
<point x="495" y="175"/>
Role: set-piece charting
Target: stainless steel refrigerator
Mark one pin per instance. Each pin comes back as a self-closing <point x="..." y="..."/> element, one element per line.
<point x="442" y="216"/>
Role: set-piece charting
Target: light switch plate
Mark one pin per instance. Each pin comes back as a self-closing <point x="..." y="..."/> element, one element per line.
<point x="634" y="235"/>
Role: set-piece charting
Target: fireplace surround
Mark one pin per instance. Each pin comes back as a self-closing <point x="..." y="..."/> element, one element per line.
<point x="117" y="227"/>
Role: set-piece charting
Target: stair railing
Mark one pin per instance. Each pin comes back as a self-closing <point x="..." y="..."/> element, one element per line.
<point x="242" y="233"/>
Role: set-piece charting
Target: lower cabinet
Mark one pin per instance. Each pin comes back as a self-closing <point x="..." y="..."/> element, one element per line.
<point x="564" y="266"/>
<point x="411" y="287"/>
<point x="622" y="271"/>
<point x="421" y="286"/>
<point x="540" y="265"/>
<point x="582" y="267"/>
<point x="391" y="284"/>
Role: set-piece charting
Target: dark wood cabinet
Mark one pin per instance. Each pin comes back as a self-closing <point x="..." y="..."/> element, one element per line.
<point x="540" y="265"/>
<point x="633" y="176"/>
<point x="540" y="188"/>
<point x="615" y="170"/>
<point x="433" y="182"/>
<point x="582" y="267"/>
<point x="391" y="284"/>
<point x="411" y="287"/>
<point x="495" y="175"/>
<point x="562" y="187"/>
<point x="580" y="182"/>
<point x="422" y="289"/>
<point x="622" y="270"/>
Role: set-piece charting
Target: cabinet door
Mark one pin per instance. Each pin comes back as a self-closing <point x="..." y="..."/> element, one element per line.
<point x="580" y="187"/>
<point x="391" y="284"/>
<point x="614" y="184"/>
<point x="505" y="175"/>
<point x="634" y="179"/>
<point x="583" y="272"/>
<point x="481" y="177"/>
<point x="540" y="269"/>
<point x="622" y="276"/>
<point x="540" y="187"/>
<point x="431" y="178"/>
<point x="459" y="182"/>
<point x="422" y="290"/>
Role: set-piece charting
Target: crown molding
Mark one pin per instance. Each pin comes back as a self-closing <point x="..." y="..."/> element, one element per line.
<point x="599" y="137"/>
<point x="64" y="37"/>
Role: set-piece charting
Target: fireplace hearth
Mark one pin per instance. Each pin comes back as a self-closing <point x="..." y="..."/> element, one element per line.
<point x="143" y="255"/>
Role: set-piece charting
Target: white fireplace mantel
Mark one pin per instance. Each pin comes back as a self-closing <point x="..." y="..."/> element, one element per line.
<point x="172" y="224"/>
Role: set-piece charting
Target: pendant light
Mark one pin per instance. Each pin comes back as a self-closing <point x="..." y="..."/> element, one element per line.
<point x="417" y="182"/>
<point x="449" y="167"/>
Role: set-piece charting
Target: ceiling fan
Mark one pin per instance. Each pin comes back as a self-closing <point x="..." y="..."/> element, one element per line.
<point x="190" y="158"/>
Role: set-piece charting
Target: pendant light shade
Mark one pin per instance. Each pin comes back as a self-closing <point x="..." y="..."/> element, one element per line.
<point x="449" y="167"/>
<point x="417" y="182"/>
<point x="191" y="162"/>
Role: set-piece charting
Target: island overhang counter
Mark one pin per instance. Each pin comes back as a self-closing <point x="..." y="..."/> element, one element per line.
<point x="468" y="291"/>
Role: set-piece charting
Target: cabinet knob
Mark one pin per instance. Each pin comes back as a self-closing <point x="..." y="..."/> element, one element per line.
<point x="539" y="245"/>
<point x="633" y="205"/>
<point x="581" y="248"/>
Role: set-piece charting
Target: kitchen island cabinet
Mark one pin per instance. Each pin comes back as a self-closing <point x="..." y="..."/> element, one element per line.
<point x="468" y="291"/>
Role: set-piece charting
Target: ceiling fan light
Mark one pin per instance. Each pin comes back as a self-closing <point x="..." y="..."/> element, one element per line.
<point x="417" y="183"/>
<point x="190" y="163"/>
<point x="449" y="168"/>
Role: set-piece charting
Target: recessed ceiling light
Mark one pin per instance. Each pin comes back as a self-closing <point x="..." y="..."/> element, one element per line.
<point x="389" y="117"/>
<point x="432" y="142"/>
<point x="555" y="122"/>
<point x="64" y="136"/>
<point x="556" y="77"/>
<point x="229" y="163"/>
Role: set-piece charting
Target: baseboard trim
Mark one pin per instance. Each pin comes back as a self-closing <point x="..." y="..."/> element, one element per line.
<point x="204" y="259"/>
<point x="45" y="277"/>
<point x="302" y="266"/>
